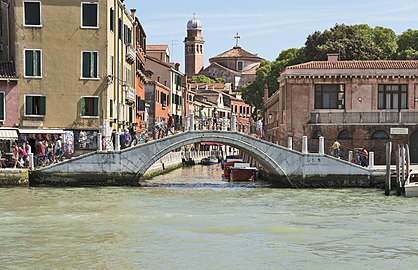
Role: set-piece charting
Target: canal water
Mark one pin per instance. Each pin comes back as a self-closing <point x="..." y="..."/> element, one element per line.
<point x="191" y="219"/>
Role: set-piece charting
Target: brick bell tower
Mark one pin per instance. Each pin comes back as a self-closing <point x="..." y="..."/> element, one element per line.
<point x="193" y="48"/>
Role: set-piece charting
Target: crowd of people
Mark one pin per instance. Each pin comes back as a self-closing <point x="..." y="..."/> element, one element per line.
<point x="360" y="157"/>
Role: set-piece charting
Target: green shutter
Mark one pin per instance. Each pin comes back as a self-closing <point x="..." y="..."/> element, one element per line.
<point x="37" y="63"/>
<point x="2" y="101"/>
<point x="95" y="106"/>
<point x="86" y="65"/>
<point x="112" y="19"/>
<point x="111" y="109"/>
<point x="95" y="56"/>
<point x="29" y="105"/>
<point x="83" y="106"/>
<point x="43" y="106"/>
<point x="29" y="63"/>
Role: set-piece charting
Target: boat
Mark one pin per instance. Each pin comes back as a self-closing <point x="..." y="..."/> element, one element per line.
<point x="211" y="160"/>
<point x="228" y="164"/>
<point x="411" y="184"/>
<point x="241" y="172"/>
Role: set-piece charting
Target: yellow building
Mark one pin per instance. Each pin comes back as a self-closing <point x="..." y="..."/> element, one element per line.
<point x="76" y="63"/>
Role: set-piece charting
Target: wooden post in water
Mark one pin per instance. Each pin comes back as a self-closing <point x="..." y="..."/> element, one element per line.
<point x="408" y="165"/>
<point x="388" y="160"/>
<point x="398" y="169"/>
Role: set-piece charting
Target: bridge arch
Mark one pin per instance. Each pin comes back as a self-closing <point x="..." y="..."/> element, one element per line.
<point x="244" y="143"/>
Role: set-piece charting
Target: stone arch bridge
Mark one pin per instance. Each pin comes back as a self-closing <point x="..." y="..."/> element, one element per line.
<point x="287" y="167"/>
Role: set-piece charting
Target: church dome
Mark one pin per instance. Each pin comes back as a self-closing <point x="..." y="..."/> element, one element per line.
<point x="194" y="24"/>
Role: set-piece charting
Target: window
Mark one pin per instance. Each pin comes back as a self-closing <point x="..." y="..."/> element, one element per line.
<point x="112" y="20"/>
<point x="89" y="65"/>
<point x="345" y="135"/>
<point x="33" y="63"/>
<point x="393" y="96"/>
<point x="2" y="107"/>
<point x="32" y="13"/>
<point x="112" y="70"/>
<point x="329" y="96"/>
<point x="90" y="106"/>
<point x="380" y="135"/>
<point x="120" y="29"/>
<point x="35" y="105"/>
<point x="128" y="76"/>
<point x="111" y="108"/>
<point x="316" y="134"/>
<point x="240" y="65"/>
<point x="127" y="35"/>
<point x="89" y="15"/>
<point x="140" y="104"/>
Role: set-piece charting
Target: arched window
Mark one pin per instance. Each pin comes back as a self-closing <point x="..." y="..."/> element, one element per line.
<point x="316" y="134"/>
<point x="380" y="135"/>
<point x="345" y="135"/>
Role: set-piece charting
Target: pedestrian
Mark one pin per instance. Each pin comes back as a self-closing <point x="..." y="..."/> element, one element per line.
<point x="259" y="131"/>
<point x="215" y="119"/>
<point x="162" y="128"/>
<point x="336" y="149"/>
<point x="127" y="139"/>
<point x="58" y="149"/>
<point x="22" y="156"/>
<point x="170" y="124"/>
<point x="364" y="158"/>
<point x="114" y="139"/>
<point x="16" y="156"/>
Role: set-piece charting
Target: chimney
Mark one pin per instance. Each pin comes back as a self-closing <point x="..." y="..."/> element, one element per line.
<point x="133" y="13"/>
<point x="333" y="57"/>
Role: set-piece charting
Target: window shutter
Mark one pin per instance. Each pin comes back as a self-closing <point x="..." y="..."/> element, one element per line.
<point x="94" y="63"/>
<point x="2" y="105"/>
<point x="111" y="108"/>
<point x="86" y="65"/>
<point x="29" y="63"/>
<point x="95" y="106"/>
<point x="29" y="105"/>
<point x="43" y="105"/>
<point x="83" y="106"/>
<point x="112" y="20"/>
<point x="36" y="63"/>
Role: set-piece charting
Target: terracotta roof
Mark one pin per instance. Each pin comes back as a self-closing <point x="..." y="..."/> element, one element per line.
<point x="251" y="70"/>
<point x="162" y="47"/>
<point x="7" y="70"/>
<point x="216" y="65"/>
<point x="372" y="64"/>
<point x="236" y="52"/>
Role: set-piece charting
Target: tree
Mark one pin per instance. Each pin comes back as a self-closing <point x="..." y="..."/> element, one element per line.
<point x="200" y="79"/>
<point x="351" y="42"/>
<point x="408" y="45"/>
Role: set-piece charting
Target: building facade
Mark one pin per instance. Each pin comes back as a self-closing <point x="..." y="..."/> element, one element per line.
<point x="362" y="104"/>
<point x="76" y="63"/>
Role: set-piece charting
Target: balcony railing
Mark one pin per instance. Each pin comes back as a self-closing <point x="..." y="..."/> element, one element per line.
<point x="130" y="54"/>
<point x="373" y="117"/>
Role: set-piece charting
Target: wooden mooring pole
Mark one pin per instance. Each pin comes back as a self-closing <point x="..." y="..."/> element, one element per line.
<point x="388" y="160"/>
<point x="399" y="171"/>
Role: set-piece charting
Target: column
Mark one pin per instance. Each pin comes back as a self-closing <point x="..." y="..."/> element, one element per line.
<point x="305" y="144"/>
<point x="117" y="142"/>
<point x="233" y="122"/>
<point x="99" y="142"/>
<point x="371" y="160"/>
<point x="321" y="145"/>
<point x="191" y="127"/>
<point x="290" y="142"/>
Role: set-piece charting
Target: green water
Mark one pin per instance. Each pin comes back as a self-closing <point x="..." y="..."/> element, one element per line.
<point x="190" y="219"/>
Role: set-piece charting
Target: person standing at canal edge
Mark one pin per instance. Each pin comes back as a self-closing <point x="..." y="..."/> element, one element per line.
<point x="336" y="149"/>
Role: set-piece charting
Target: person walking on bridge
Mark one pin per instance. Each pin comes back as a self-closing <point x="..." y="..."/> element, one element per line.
<point x="336" y="149"/>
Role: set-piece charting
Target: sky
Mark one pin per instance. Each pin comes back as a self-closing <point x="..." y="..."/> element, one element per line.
<point x="266" y="27"/>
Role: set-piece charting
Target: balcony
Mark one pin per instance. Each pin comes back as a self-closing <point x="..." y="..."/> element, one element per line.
<point x="130" y="54"/>
<point x="130" y="94"/>
<point x="372" y="117"/>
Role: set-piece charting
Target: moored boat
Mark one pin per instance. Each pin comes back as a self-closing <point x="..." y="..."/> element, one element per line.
<point x="211" y="160"/>
<point x="411" y="184"/>
<point x="227" y="167"/>
<point x="243" y="172"/>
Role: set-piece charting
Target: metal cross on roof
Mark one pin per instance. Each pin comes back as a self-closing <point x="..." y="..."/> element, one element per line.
<point x="237" y="37"/>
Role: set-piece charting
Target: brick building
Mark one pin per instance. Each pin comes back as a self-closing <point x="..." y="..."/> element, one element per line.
<point x="360" y="103"/>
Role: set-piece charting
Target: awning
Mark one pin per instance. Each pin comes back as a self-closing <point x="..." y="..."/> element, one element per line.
<point x="8" y="134"/>
<point x="41" y="131"/>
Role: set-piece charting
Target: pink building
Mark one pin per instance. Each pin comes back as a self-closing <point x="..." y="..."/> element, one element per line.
<point x="359" y="103"/>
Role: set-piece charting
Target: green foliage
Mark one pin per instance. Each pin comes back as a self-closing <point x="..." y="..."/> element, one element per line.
<point x="408" y="45"/>
<point x="200" y="79"/>
<point x="204" y="79"/>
